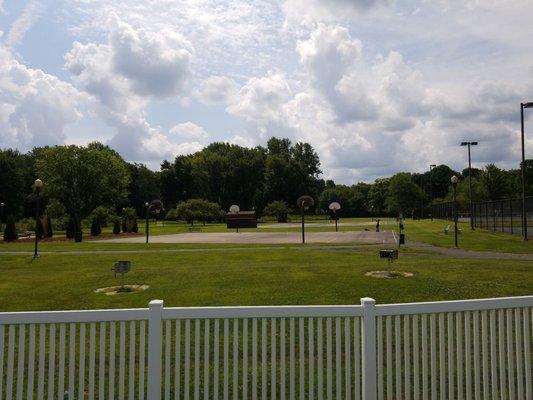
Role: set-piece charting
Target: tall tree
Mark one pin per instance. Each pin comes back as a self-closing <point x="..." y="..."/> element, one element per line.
<point x="12" y="182"/>
<point x="82" y="178"/>
<point x="404" y="194"/>
<point x="143" y="187"/>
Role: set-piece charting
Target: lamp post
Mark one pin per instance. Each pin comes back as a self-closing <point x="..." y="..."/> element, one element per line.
<point x="155" y="206"/>
<point x="147" y="227"/>
<point x="37" y="186"/>
<point x="470" y="182"/>
<point x="454" y="180"/>
<point x="431" y="186"/>
<point x="1" y="215"/>
<point x="523" y="168"/>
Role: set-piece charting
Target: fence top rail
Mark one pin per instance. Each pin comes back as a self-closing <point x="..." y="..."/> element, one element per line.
<point x="50" y="317"/>
<point x="262" y="312"/>
<point x="454" y="306"/>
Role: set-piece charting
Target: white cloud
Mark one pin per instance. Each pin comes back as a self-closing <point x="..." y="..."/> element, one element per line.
<point x="35" y="107"/>
<point x="132" y="68"/>
<point x="217" y="90"/>
<point x="155" y="63"/>
<point x="189" y="131"/>
<point x="31" y="13"/>
<point x="261" y="99"/>
<point x="306" y="12"/>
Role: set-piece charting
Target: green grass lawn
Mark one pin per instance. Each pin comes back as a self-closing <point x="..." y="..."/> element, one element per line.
<point x="258" y="276"/>
<point x="432" y="232"/>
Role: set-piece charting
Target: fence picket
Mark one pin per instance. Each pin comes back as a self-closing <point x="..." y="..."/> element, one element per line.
<point x="20" y="359"/>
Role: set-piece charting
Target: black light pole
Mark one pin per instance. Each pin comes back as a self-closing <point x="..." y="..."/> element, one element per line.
<point x="303" y="225"/>
<point x="523" y="168"/>
<point x="1" y="215"/>
<point x="304" y="202"/>
<point x="470" y="181"/>
<point x="431" y="187"/>
<point x="454" y="180"/>
<point x="147" y="227"/>
<point x="37" y="186"/>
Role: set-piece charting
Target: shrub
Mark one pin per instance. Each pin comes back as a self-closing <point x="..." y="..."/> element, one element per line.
<point x="95" y="227"/>
<point x="277" y="209"/>
<point x="116" y="227"/>
<point x="10" y="232"/>
<point x="39" y="230"/>
<point x="103" y="214"/>
<point x="55" y="209"/>
<point x="129" y="218"/>
<point x="71" y="228"/>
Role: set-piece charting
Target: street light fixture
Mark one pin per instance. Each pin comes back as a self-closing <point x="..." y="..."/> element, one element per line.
<point x="470" y="181"/>
<point x="454" y="180"/>
<point x="37" y="186"/>
<point x="523" y="168"/>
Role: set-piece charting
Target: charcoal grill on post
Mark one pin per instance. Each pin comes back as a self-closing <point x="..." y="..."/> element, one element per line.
<point x="122" y="267"/>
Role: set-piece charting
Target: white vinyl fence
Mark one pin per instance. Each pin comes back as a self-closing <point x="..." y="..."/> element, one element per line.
<point x="472" y="350"/>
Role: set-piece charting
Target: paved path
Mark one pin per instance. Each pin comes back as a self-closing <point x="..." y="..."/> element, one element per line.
<point x="360" y="237"/>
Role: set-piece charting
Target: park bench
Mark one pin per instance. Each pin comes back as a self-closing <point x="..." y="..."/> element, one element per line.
<point x="195" y="229"/>
<point x="25" y="234"/>
<point x="447" y="230"/>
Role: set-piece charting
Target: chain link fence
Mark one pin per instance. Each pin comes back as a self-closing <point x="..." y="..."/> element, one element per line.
<point x="497" y="215"/>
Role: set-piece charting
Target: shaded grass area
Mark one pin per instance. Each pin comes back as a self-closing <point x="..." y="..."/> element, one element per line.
<point x="258" y="277"/>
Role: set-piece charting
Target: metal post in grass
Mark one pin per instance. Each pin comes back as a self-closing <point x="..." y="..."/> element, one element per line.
<point x="147" y="225"/>
<point x="304" y="202"/>
<point x="335" y="207"/>
<point x="155" y="206"/>
<point x="470" y="179"/>
<point x="523" y="169"/>
<point x="431" y="186"/>
<point x="37" y="186"/>
<point x="454" y="180"/>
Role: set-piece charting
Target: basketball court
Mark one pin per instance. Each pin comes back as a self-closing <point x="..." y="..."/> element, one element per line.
<point x="363" y="237"/>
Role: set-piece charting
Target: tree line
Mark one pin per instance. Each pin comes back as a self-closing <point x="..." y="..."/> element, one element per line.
<point x="82" y="182"/>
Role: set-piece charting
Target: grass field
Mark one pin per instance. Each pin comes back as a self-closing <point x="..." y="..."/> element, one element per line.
<point x="202" y="274"/>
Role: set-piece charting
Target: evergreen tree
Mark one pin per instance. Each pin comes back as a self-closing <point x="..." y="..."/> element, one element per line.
<point x="95" y="227"/>
<point x="10" y="232"/>
<point x="116" y="227"/>
<point x="39" y="229"/>
<point x="49" y="230"/>
<point x="71" y="228"/>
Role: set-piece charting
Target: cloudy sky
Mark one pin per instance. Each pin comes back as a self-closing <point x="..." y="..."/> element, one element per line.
<point x="376" y="86"/>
